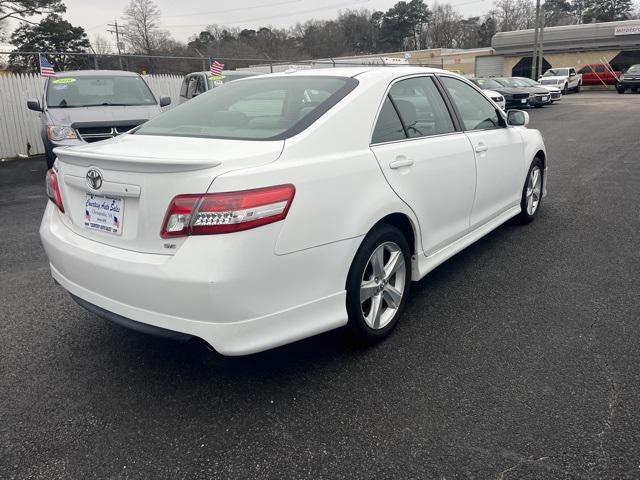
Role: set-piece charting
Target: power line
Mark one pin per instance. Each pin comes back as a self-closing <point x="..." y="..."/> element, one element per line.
<point x="231" y="10"/>
<point x="256" y="19"/>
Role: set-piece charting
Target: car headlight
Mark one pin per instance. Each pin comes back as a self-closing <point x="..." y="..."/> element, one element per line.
<point x="61" y="133"/>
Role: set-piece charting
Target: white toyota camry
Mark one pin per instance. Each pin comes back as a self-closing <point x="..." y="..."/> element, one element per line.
<point x="278" y="207"/>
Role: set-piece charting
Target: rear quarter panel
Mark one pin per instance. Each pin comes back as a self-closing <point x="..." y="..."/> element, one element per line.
<point x="340" y="191"/>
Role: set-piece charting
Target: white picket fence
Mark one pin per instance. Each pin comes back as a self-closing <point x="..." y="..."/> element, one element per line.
<point x="20" y="127"/>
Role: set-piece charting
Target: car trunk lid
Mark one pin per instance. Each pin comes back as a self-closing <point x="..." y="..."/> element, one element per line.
<point x="116" y="192"/>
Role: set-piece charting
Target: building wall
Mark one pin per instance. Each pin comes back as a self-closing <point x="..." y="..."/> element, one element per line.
<point x="463" y="62"/>
<point x="570" y="59"/>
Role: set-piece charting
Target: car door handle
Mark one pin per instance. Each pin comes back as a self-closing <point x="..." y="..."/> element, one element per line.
<point x="403" y="162"/>
<point x="481" y="147"/>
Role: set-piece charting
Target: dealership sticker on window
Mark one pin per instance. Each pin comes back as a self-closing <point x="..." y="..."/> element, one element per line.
<point x="64" y="81"/>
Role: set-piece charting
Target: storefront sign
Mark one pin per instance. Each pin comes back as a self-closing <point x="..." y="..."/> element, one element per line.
<point x="628" y="30"/>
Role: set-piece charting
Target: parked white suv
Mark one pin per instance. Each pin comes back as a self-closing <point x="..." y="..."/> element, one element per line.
<point x="566" y="78"/>
<point x="278" y="207"/>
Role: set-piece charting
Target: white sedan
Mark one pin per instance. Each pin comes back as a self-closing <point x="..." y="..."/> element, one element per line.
<point x="497" y="98"/>
<point x="282" y="206"/>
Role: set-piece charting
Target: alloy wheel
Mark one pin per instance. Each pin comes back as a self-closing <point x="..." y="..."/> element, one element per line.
<point x="382" y="285"/>
<point x="534" y="190"/>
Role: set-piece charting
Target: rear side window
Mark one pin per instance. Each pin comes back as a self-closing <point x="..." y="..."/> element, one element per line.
<point x="388" y="127"/>
<point x="271" y="108"/>
<point x="421" y="107"/>
<point x="476" y="111"/>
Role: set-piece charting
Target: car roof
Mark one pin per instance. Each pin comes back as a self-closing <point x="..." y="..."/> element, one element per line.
<point x="90" y="73"/>
<point x="372" y="73"/>
<point x="227" y="72"/>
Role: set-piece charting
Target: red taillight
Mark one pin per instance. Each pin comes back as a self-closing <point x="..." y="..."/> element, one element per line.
<point x="213" y="213"/>
<point x="53" y="189"/>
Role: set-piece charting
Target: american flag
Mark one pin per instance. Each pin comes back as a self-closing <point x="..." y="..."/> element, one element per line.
<point x="46" y="69"/>
<point x="216" y="67"/>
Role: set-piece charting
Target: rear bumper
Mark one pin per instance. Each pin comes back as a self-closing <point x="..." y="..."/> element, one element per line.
<point x="238" y="296"/>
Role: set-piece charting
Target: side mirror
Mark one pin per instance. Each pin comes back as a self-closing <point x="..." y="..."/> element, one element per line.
<point x="517" y="118"/>
<point x="34" y="104"/>
<point x="572" y="74"/>
<point x="164" y="101"/>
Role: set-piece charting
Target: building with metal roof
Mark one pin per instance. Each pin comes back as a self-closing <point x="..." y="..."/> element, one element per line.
<point x="616" y="43"/>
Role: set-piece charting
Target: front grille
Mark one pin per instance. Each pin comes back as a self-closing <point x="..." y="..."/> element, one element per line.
<point x="555" y="95"/>
<point x="95" y="134"/>
<point x="520" y="96"/>
<point x="548" y="82"/>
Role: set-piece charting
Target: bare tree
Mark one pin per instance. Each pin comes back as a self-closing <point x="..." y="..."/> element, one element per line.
<point x="514" y="14"/>
<point x="101" y="45"/>
<point x="444" y="26"/>
<point x="142" y="29"/>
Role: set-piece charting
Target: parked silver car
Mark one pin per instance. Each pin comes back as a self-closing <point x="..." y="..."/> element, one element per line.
<point x="91" y="105"/>
<point x="197" y="83"/>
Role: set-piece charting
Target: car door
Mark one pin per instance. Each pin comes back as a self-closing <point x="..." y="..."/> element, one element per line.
<point x="573" y="78"/>
<point x="426" y="159"/>
<point x="498" y="150"/>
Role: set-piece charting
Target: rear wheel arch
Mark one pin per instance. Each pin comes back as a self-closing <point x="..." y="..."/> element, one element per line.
<point x="400" y="221"/>
<point x="543" y="158"/>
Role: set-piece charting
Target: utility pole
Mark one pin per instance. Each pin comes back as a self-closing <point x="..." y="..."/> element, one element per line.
<point x="534" y="56"/>
<point x="541" y="49"/>
<point x="116" y="30"/>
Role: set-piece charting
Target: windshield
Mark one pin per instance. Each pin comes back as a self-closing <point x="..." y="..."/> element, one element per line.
<point x="527" y="82"/>
<point x="512" y="82"/>
<point x="270" y="108"/>
<point x="634" y="69"/>
<point x="216" y="81"/>
<point x="90" y="91"/>
<point x="556" y="72"/>
<point x="486" y="83"/>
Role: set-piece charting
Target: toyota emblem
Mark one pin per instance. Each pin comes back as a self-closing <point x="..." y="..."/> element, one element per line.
<point x="94" y="179"/>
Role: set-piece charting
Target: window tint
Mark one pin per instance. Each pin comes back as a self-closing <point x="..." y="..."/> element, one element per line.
<point x="254" y="109"/>
<point x="599" y="68"/>
<point x="421" y="107"/>
<point x="388" y="128"/>
<point x="191" y="89"/>
<point x="183" y="88"/>
<point x="200" y="85"/>
<point x="476" y="111"/>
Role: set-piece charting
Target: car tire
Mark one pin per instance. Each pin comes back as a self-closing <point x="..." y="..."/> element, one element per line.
<point x="377" y="288"/>
<point x="565" y="89"/>
<point x="577" y="90"/>
<point x="620" y="90"/>
<point x="531" y="192"/>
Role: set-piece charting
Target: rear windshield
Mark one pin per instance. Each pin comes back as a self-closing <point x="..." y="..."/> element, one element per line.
<point x="90" y="91"/>
<point x="269" y="108"/>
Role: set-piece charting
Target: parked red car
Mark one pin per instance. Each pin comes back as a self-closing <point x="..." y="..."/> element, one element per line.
<point x="599" y="74"/>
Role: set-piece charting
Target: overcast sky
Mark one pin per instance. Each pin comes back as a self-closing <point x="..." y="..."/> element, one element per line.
<point x="184" y="18"/>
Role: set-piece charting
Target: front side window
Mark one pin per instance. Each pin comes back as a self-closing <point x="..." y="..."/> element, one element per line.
<point x="92" y="91"/>
<point x="476" y="112"/>
<point x="421" y="107"/>
<point x="183" y="88"/>
<point x="271" y="108"/>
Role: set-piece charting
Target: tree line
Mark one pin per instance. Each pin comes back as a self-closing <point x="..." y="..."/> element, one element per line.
<point x="407" y="25"/>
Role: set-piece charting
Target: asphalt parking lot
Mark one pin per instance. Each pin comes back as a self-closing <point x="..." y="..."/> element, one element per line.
<point x="517" y="359"/>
